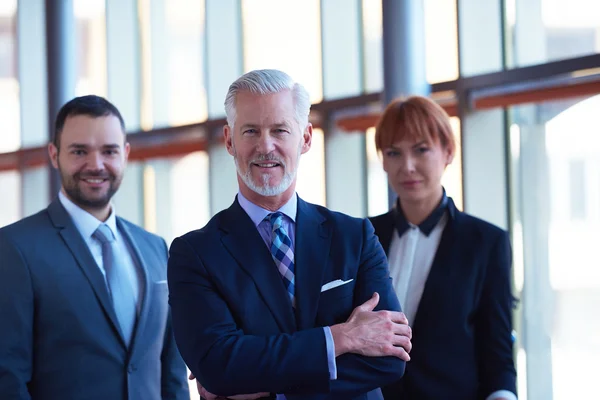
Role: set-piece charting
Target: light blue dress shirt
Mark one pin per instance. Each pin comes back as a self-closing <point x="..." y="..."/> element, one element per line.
<point x="87" y="224"/>
<point x="257" y="214"/>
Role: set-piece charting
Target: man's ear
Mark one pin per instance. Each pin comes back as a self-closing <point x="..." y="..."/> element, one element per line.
<point x="53" y="154"/>
<point x="126" y="151"/>
<point x="307" y="138"/>
<point x="228" y="138"/>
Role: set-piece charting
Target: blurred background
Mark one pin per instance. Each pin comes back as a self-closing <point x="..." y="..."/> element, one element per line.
<point x="520" y="79"/>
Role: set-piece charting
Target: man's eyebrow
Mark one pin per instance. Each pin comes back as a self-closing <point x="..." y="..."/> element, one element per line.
<point x="77" y="146"/>
<point x="248" y="126"/>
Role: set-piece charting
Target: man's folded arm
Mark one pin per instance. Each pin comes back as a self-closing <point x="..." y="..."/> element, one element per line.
<point x="358" y="374"/>
<point x="225" y="360"/>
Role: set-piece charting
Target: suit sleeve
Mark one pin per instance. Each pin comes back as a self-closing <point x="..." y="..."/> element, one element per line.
<point x="16" y="328"/>
<point x="174" y="384"/>
<point x="359" y="374"/>
<point x="174" y="373"/>
<point x="494" y="323"/>
<point x="224" y="359"/>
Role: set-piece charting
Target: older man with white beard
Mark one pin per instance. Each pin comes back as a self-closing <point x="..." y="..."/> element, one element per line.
<point x="276" y="297"/>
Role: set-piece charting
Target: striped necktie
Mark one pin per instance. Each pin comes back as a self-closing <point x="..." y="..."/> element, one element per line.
<point x="282" y="252"/>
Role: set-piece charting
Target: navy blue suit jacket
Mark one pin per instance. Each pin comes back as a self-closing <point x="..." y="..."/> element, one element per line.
<point x="233" y="320"/>
<point x="462" y="346"/>
<point x="59" y="334"/>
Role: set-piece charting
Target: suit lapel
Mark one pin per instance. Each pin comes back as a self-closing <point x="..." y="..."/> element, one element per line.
<point x="145" y="291"/>
<point x="311" y="253"/>
<point x="76" y="244"/>
<point x="440" y="278"/>
<point x="244" y="243"/>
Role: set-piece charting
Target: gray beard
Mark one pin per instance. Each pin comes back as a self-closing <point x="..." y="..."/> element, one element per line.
<point x="265" y="189"/>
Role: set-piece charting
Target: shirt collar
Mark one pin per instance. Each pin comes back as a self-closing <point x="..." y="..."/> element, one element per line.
<point x="257" y="214"/>
<point x="402" y="225"/>
<point x="85" y="222"/>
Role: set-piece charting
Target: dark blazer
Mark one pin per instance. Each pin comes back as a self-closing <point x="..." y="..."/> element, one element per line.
<point x="233" y="320"/>
<point x="59" y="335"/>
<point x="462" y="346"/>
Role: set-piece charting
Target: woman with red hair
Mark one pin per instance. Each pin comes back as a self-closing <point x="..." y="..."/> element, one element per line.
<point x="451" y="271"/>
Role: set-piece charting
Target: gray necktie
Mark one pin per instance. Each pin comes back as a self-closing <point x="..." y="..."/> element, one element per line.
<point x="118" y="281"/>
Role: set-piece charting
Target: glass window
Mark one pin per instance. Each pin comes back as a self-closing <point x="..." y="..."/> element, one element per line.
<point x="373" y="45"/>
<point x="577" y="171"/>
<point x="377" y="183"/>
<point x="555" y="175"/>
<point x="341" y="30"/>
<point x="187" y="94"/>
<point x="452" y="178"/>
<point x="90" y="47"/>
<point x="10" y="138"/>
<point x="190" y="194"/>
<point x="8" y="60"/>
<point x="176" y="194"/>
<point x="35" y="190"/>
<point x="129" y="199"/>
<point x="150" y="207"/>
<point x="296" y="49"/>
<point x="172" y="48"/>
<point x="441" y="40"/>
<point x="539" y="31"/>
<point x="310" y="184"/>
<point x="32" y="76"/>
<point x="10" y="201"/>
<point x="480" y="36"/>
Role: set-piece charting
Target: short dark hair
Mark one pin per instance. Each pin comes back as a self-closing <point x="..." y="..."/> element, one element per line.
<point x="94" y="106"/>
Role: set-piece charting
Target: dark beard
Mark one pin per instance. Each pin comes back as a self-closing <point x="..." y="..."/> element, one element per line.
<point x="73" y="190"/>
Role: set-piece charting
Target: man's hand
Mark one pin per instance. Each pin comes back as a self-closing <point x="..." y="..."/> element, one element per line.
<point x="209" y="396"/>
<point x="373" y="333"/>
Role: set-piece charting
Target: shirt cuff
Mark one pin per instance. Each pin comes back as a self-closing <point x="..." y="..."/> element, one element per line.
<point x="331" y="353"/>
<point x="500" y="394"/>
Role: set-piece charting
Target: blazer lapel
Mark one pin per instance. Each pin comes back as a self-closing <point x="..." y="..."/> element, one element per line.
<point x="242" y="240"/>
<point x="440" y="276"/>
<point x="311" y="254"/>
<point x="145" y="291"/>
<point x="76" y="244"/>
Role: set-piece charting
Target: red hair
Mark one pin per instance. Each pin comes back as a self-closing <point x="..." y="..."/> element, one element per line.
<point x="414" y="118"/>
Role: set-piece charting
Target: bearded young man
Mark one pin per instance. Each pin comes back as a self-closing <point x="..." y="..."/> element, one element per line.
<point x="83" y="293"/>
<point x="275" y="296"/>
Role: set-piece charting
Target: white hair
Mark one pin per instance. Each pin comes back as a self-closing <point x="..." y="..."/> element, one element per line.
<point x="268" y="81"/>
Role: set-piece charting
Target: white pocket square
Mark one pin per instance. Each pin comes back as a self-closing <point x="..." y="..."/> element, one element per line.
<point x="334" y="284"/>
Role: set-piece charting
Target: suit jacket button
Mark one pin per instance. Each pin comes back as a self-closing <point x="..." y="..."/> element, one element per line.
<point x="131" y="368"/>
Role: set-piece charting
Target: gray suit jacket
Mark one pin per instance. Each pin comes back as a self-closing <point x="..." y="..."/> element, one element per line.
<point x="59" y="335"/>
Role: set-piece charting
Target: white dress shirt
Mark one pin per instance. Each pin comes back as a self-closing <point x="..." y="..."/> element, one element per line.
<point x="87" y="224"/>
<point x="410" y="259"/>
